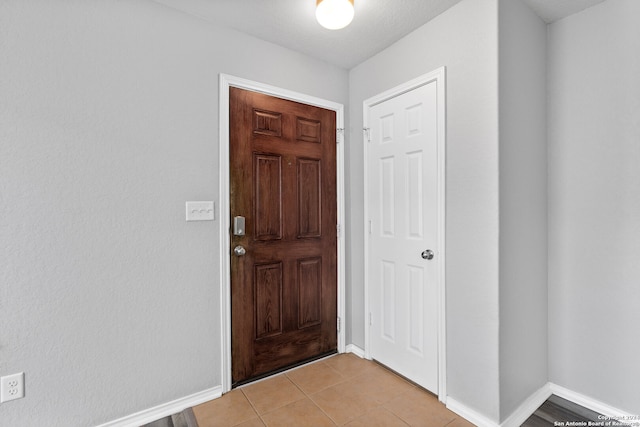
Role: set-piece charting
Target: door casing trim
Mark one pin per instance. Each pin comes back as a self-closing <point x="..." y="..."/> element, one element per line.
<point x="438" y="76"/>
<point x="225" y="82"/>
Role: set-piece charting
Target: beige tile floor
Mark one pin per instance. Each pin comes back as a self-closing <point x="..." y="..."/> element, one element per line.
<point x="342" y="390"/>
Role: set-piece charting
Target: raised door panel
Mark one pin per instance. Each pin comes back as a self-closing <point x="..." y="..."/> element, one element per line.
<point x="415" y="197"/>
<point x="308" y="130"/>
<point x="268" y="197"/>
<point x="388" y="299"/>
<point x="416" y="309"/>
<point x="309" y="286"/>
<point x="309" y="198"/>
<point x="267" y="123"/>
<point x="283" y="178"/>
<point x="388" y="196"/>
<point x="268" y="299"/>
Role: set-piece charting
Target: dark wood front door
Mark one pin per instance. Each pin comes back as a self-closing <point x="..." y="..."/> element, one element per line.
<point x="283" y="182"/>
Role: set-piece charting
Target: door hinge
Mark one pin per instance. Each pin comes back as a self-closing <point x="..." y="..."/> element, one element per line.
<point x="338" y="324"/>
<point x="370" y="227"/>
<point x="370" y="321"/>
<point x="338" y="230"/>
<point x="339" y="133"/>
<point x="367" y="133"/>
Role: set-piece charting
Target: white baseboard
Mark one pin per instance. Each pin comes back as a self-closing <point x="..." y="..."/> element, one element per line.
<point x="166" y="409"/>
<point x="469" y="414"/>
<point x="352" y="348"/>
<point x="528" y="407"/>
<point x="517" y="417"/>
<point x="595" y="405"/>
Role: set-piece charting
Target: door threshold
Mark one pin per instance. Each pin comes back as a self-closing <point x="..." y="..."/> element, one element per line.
<point x="407" y="379"/>
<point x="285" y="369"/>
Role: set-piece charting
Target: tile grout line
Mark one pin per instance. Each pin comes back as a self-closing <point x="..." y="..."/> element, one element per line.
<point x="346" y="379"/>
<point x="252" y="407"/>
<point x="308" y="396"/>
<point x="304" y="393"/>
<point x="379" y="384"/>
<point x="378" y="405"/>
<point x="343" y="379"/>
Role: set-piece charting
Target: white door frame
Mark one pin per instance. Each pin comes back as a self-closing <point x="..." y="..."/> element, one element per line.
<point x="437" y="76"/>
<point x="227" y="81"/>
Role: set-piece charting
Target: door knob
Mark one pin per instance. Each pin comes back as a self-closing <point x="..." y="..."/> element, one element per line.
<point x="239" y="250"/>
<point x="428" y="254"/>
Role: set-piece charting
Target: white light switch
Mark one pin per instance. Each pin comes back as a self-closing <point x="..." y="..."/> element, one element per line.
<point x="200" y="211"/>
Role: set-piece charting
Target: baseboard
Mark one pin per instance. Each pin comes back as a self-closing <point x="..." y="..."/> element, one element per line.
<point x="469" y="414"/>
<point x="594" y="405"/>
<point x="352" y="348"/>
<point x="166" y="409"/>
<point x="528" y="407"/>
<point x="517" y="417"/>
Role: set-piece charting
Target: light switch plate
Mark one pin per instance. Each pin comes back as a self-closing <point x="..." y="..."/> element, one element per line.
<point x="200" y="211"/>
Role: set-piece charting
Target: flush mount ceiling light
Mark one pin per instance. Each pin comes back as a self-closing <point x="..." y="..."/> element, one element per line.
<point x="334" y="14"/>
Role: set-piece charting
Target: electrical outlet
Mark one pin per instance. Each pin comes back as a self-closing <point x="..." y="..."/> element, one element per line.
<point x="11" y="387"/>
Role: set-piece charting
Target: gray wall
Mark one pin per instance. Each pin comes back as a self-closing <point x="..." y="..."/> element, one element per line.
<point x="594" y="203"/>
<point x="108" y="124"/>
<point x="523" y="204"/>
<point x="464" y="39"/>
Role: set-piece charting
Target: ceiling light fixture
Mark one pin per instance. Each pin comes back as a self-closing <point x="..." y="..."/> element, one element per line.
<point x="334" y="14"/>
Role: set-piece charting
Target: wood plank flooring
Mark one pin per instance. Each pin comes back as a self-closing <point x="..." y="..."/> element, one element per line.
<point x="559" y="410"/>
<point x="185" y="418"/>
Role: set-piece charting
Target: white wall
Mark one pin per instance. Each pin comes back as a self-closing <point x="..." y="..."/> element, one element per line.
<point x="464" y="39"/>
<point x="523" y="204"/>
<point x="108" y="124"/>
<point x="594" y="203"/>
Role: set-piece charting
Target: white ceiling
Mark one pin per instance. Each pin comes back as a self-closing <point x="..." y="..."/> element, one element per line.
<point x="377" y="23"/>
<point x="552" y="10"/>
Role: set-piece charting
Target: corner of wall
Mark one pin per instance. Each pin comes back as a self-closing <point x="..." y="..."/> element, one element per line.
<point x="523" y="205"/>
